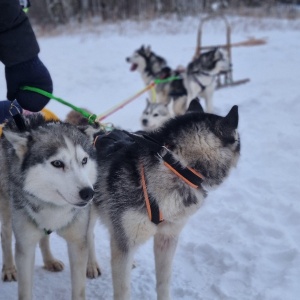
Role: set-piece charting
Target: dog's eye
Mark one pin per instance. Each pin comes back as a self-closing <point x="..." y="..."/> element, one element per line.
<point x="155" y="115"/>
<point x="84" y="161"/>
<point x="57" y="164"/>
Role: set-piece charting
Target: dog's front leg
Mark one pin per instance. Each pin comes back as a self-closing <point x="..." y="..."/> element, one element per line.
<point x="121" y="265"/>
<point x="9" y="272"/>
<point x="93" y="270"/>
<point x="78" y="256"/>
<point x="27" y="237"/>
<point x="164" y="250"/>
<point x="208" y="96"/>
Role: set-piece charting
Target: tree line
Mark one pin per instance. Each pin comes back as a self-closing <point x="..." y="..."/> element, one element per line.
<point x="63" y="11"/>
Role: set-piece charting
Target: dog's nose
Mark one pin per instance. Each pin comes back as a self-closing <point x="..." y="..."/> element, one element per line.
<point x="145" y="122"/>
<point x="127" y="59"/>
<point x="86" y="194"/>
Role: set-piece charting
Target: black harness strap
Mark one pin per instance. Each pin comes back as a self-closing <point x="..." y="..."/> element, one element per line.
<point x="192" y="178"/>
<point x="154" y="213"/>
<point x="18" y="118"/>
<point x="203" y="87"/>
<point x="187" y="174"/>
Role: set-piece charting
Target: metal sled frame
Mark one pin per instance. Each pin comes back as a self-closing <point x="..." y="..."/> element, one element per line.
<point x="225" y="79"/>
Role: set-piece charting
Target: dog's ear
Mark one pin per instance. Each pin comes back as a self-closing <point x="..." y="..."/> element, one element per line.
<point x="220" y="53"/>
<point x="232" y="118"/>
<point x="195" y="106"/>
<point x="19" y="141"/>
<point x="216" y="54"/>
<point x="148" y="50"/>
<point x="90" y="131"/>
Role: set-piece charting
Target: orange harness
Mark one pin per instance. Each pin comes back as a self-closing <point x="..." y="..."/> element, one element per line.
<point x="187" y="174"/>
<point x="186" y="180"/>
<point x="154" y="213"/>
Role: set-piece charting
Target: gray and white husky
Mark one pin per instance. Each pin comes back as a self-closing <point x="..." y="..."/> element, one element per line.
<point x="152" y="66"/>
<point x="47" y="179"/>
<point x="154" y="115"/>
<point x="200" y="77"/>
<point x="152" y="186"/>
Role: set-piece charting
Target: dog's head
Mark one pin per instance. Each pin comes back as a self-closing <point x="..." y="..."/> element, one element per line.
<point x="144" y="59"/>
<point x="213" y="61"/>
<point x="56" y="161"/>
<point x="154" y="115"/>
<point x="138" y="59"/>
<point x="222" y="60"/>
<point x="207" y="142"/>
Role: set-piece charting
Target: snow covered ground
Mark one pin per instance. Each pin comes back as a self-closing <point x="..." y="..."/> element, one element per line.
<point x="244" y="243"/>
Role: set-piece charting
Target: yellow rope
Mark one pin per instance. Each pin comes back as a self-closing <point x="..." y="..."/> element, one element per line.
<point x="123" y="103"/>
<point x="153" y="91"/>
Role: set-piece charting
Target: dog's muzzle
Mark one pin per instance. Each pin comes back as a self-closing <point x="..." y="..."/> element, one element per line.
<point x="86" y="194"/>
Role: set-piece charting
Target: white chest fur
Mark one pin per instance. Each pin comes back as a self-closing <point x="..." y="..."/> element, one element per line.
<point x="53" y="217"/>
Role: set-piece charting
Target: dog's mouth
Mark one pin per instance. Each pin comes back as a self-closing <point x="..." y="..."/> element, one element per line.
<point x="76" y="204"/>
<point x="82" y="203"/>
<point x="133" y="67"/>
<point x="148" y="127"/>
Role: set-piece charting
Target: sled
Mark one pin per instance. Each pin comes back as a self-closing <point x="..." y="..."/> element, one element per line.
<point x="224" y="79"/>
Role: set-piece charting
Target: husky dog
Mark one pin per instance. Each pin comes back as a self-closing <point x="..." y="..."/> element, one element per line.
<point x="201" y="74"/>
<point x="154" y="115"/>
<point x="47" y="176"/>
<point x="151" y="187"/>
<point x="152" y="66"/>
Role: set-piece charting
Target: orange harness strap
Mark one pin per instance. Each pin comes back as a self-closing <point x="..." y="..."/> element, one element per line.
<point x="154" y="213"/>
<point x="184" y="178"/>
<point x="188" y="175"/>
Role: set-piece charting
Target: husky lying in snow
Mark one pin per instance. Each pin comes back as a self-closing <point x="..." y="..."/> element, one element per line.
<point x="151" y="186"/>
<point x="47" y="176"/>
<point x="201" y="74"/>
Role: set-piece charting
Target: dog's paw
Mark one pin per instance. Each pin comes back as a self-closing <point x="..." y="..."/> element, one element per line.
<point x="9" y="274"/>
<point x="93" y="270"/>
<point x="54" y="265"/>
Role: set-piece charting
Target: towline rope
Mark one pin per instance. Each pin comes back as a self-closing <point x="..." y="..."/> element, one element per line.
<point x="92" y="118"/>
<point x="123" y="103"/>
<point x="168" y="79"/>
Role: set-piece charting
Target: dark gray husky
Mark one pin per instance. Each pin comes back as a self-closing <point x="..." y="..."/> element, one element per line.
<point x="151" y="186"/>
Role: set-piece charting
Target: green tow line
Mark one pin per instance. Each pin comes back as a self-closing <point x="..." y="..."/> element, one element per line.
<point x="172" y="78"/>
<point x="91" y="117"/>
